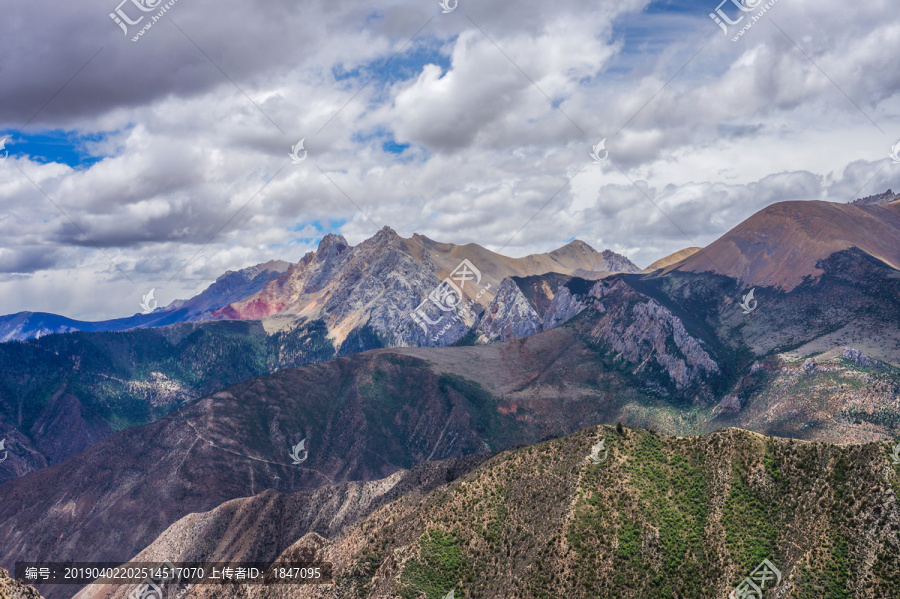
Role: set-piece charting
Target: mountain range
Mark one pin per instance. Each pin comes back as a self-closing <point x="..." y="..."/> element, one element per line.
<point x="176" y="438"/>
<point x="230" y="287"/>
<point x="349" y="287"/>
<point x="60" y="393"/>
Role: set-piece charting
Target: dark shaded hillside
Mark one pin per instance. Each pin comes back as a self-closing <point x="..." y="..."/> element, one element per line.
<point x="62" y="393"/>
<point x="855" y="298"/>
<point x="259" y="528"/>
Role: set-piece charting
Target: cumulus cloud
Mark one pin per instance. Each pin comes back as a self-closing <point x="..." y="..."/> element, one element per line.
<point x="474" y="126"/>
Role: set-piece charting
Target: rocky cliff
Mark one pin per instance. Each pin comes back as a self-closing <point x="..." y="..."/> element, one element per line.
<point x="510" y="315"/>
<point x="878" y="199"/>
<point x="527" y="305"/>
<point x="634" y="328"/>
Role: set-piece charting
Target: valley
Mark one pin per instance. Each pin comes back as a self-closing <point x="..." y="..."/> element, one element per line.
<point x="154" y="426"/>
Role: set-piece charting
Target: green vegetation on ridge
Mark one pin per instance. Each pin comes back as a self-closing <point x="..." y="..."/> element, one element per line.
<point x="660" y="517"/>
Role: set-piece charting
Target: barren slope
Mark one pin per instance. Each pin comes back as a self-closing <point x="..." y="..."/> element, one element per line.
<point x="672" y="259"/>
<point x="781" y="244"/>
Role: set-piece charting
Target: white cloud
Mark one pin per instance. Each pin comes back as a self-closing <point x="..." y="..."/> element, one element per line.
<point x="743" y="125"/>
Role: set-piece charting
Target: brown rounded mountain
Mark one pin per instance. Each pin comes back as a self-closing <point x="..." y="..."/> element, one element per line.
<point x="781" y="244"/>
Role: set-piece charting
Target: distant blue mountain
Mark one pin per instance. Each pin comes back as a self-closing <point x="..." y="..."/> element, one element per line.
<point x="230" y="287"/>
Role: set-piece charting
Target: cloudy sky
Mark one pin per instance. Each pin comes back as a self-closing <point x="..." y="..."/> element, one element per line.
<point x="164" y="162"/>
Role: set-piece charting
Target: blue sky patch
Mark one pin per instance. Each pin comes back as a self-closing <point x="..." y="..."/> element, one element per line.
<point x="688" y="7"/>
<point x="406" y="65"/>
<point x="393" y="147"/>
<point x="321" y="227"/>
<point x="72" y="148"/>
<point x="648" y="37"/>
<point x="389" y="145"/>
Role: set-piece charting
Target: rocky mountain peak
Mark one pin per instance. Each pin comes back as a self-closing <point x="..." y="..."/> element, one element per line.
<point x="860" y="359"/>
<point x="575" y="245"/>
<point x="618" y="262"/>
<point x="877" y="199"/>
<point x="387" y="233"/>
<point x="384" y="241"/>
<point x="330" y="246"/>
<point x="578" y="244"/>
